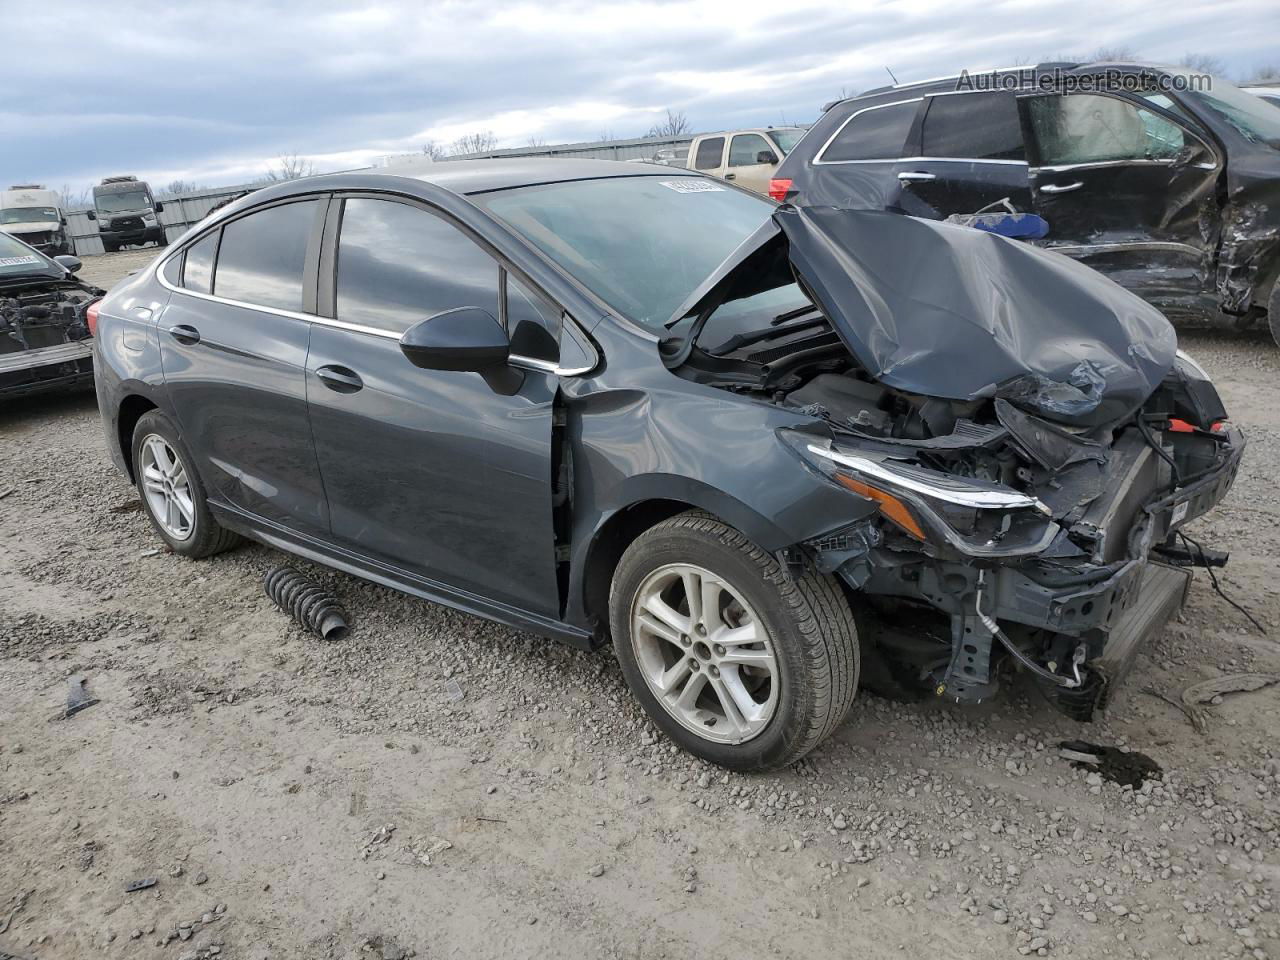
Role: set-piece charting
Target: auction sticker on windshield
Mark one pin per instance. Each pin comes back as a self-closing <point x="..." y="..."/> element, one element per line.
<point x="18" y="261"/>
<point x="690" y="185"/>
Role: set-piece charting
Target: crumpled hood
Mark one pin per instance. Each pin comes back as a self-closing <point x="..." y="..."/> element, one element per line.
<point x="948" y="311"/>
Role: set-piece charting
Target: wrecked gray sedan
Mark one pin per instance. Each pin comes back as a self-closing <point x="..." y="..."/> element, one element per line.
<point x="772" y="454"/>
<point x="44" y="338"/>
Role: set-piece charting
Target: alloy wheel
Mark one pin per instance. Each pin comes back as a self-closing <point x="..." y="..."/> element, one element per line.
<point x="167" y="488"/>
<point x="705" y="654"/>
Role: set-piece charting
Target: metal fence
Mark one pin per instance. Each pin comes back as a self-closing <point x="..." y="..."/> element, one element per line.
<point x="178" y="214"/>
<point x="639" y="148"/>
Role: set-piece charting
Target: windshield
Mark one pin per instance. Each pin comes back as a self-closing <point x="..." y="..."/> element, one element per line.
<point x="1257" y="120"/>
<point x="29" y="215"/>
<point x="17" y="259"/>
<point x="786" y="139"/>
<point x="122" y="202"/>
<point x="641" y="244"/>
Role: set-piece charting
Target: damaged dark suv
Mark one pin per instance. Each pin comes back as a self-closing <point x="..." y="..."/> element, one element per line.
<point x="772" y="453"/>
<point x="1164" y="180"/>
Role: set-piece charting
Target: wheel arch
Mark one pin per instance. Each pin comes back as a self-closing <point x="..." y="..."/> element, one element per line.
<point x="619" y="528"/>
<point x="131" y="410"/>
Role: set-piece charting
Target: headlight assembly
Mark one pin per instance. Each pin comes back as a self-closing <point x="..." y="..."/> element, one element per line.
<point x="974" y="517"/>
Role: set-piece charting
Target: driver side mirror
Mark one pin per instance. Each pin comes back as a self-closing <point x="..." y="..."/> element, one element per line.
<point x="159" y="206"/>
<point x="72" y="264"/>
<point x="766" y="156"/>
<point x="467" y="338"/>
<point x="91" y="215"/>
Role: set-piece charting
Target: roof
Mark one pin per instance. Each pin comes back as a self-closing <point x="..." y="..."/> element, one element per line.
<point x="480" y="176"/>
<point x="1029" y="70"/>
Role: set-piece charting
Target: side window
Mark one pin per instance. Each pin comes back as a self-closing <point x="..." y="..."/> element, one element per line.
<point x="398" y="264"/>
<point x="709" y="153"/>
<point x="262" y="257"/>
<point x="532" y="322"/>
<point x="1088" y="128"/>
<point x="197" y="271"/>
<point x="172" y="271"/>
<point x="878" y="133"/>
<point x="746" y="148"/>
<point x="973" y="126"/>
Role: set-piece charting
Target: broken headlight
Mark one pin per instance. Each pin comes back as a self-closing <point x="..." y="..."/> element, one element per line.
<point x="971" y="516"/>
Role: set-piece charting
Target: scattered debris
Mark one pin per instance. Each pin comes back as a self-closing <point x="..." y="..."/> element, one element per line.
<point x="77" y="698"/>
<point x="5" y="493"/>
<point x="144" y="884"/>
<point x="1207" y="691"/>
<point x="453" y="690"/>
<point x="1126" y="767"/>
<point x="307" y="602"/>
<point x="422" y="850"/>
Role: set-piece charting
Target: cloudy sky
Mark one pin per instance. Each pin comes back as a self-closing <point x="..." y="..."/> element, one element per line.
<point x="212" y="92"/>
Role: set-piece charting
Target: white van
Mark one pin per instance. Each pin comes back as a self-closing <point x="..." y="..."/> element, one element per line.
<point x="34" y="215"/>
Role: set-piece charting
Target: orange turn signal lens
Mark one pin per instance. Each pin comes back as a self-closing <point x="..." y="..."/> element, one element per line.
<point x="890" y="506"/>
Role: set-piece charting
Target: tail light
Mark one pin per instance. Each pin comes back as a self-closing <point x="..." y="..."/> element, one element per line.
<point x="778" y="189"/>
<point x="91" y="318"/>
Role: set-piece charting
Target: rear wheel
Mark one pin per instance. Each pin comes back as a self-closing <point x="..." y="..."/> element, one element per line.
<point x="110" y="246"/>
<point x="1273" y="311"/>
<point x="738" y="661"/>
<point x="171" y="492"/>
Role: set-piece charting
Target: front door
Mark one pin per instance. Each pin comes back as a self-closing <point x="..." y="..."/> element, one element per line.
<point x="1130" y="190"/>
<point x="233" y="346"/>
<point x="752" y="160"/>
<point x="445" y="475"/>
<point x="970" y="156"/>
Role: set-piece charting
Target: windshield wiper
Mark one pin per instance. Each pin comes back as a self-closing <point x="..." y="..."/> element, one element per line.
<point x="773" y="331"/>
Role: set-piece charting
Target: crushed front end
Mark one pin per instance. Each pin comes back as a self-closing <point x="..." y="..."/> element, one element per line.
<point x="1025" y="438"/>
<point x="45" y="342"/>
<point x="1054" y="550"/>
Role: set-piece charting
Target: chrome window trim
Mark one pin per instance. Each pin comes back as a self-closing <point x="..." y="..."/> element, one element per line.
<point x="1115" y="247"/>
<point x="516" y="360"/>
<point x="1100" y="164"/>
<point x="818" y="161"/>
<point x="1011" y="163"/>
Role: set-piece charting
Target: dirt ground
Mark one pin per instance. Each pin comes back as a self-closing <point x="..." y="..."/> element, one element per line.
<point x="293" y="798"/>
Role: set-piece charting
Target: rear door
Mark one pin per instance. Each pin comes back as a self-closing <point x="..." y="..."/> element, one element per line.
<point x="969" y="155"/>
<point x="1128" y="189"/>
<point x="233" y="347"/>
<point x="751" y="161"/>
<point x="445" y="475"/>
<point x="708" y="156"/>
<point x="857" y="167"/>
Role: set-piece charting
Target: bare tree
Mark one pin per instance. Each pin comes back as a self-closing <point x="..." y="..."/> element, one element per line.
<point x="434" y="151"/>
<point x="482" y="141"/>
<point x="1118" y="53"/>
<point x="69" y="198"/>
<point x="673" y="126"/>
<point x="1268" y="72"/>
<point x="176" y="188"/>
<point x="290" y="166"/>
<point x="1203" y="63"/>
<point x="604" y="136"/>
<point x="536" y="141"/>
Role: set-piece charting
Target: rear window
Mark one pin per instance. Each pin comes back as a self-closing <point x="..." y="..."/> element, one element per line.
<point x="876" y="133"/>
<point x="973" y="126"/>
<point x="197" y="271"/>
<point x="709" y="153"/>
<point x="262" y="256"/>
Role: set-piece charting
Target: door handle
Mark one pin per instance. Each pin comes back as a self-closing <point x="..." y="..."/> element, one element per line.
<point x="1056" y="188"/>
<point x="185" y="334"/>
<point x="916" y="175"/>
<point x="731" y="176"/>
<point x="339" y="379"/>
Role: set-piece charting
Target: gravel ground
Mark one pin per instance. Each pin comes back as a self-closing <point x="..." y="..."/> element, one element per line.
<point x="436" y="785"/>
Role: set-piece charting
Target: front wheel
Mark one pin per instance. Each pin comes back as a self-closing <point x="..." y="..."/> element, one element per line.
<point x="740" y="662"/>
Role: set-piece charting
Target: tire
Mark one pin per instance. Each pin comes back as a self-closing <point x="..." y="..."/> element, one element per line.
<point x="1273" y="312"/>
<point x="804" y="639"/>
<point x="110" y="247"/>
<point x="191" y="533"/>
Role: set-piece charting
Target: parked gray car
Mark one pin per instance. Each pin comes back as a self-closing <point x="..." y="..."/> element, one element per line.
<point x="772" y="454"/>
